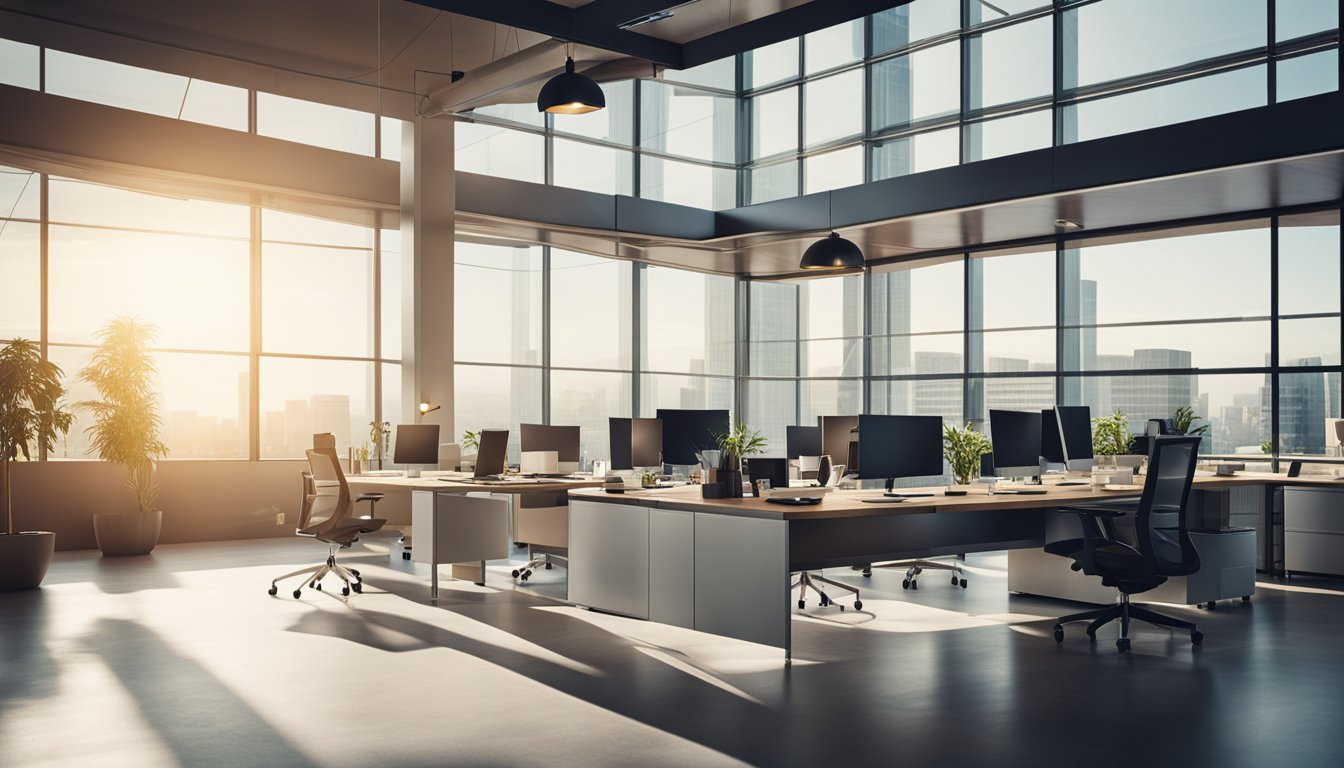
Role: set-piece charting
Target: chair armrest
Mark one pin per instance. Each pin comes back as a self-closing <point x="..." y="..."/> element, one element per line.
<point x="369" y="497"/>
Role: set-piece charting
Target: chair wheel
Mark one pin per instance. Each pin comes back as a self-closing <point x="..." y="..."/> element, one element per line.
<point x="272" y="590"/>
<point x="825" y="601"/>
<point x="1213" y="605"/>
<point x="914" y="584"/>
<point x="1123" y="644"/>
<point x="525" y="575"/>
<point x="802" y="604"/>
<point x="345" y="591"/>
<point x="358" y="586"/>
<point x="963" y="583"/>
<point x="297" y="593"/>
<point x="841" y="607"/>
<point x="1245" y="599"/>
<point x="356" y="573"/>
<point x="516" y="572"/>
<point x="1196" y="636"/>
<point x="905" y="584"/>
<point x="549" y="566"/>
<point x="1059" y="633"/>
<point x="954" y="581"/>
<point x="405" y="555"/>
<point x="317" y="586"/>
<point x="858" y="605"/>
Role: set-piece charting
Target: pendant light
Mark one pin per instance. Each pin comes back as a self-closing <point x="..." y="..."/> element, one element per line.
<point x="832" y="252"/>
<point x="570" y="93"/>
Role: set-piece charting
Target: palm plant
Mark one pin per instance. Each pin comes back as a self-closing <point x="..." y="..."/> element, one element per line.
<point x="737" y="442"/>
<point x="471" y="441"/>
<point x="963" y="448"/>
<point x="1185" y="420"/>
<point x="126" y="425"/>
<point x="31" y="415"/>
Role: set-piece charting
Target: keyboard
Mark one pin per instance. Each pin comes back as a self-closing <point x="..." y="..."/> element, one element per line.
<point x="909" y="495"/>
<point x="1022" y="492"/>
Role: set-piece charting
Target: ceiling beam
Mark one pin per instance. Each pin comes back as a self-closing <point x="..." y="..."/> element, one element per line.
<point x="784" y="25"/>
<point x="565" y="24"/>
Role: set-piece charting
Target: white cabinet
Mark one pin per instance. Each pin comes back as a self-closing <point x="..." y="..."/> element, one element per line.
<point x="672" y="567"/>
<point x="608" y="557"/>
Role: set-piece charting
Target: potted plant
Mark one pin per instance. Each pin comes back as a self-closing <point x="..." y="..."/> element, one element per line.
<point x="737" y="442"/>
<point x="1112" y="440"/>
<point x="125" y="431"/>
<point x="30" y="416"/>
<point x="380" y="433"/>
<point x="470" y="441"/>
<point x="963" y="447"/>
<point x="1184" y="422"/>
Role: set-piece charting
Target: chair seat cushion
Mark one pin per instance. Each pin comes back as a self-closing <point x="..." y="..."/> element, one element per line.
<point x="1064" y="547"/>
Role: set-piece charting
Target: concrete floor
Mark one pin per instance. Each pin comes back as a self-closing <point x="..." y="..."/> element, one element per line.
<point x="180" y="658"/>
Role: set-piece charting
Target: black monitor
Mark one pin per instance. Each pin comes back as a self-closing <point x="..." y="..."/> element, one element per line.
<point x="900" y="446"/>
<point x="837" y="432"/>
<point x="1016" y="436"/>
<point x="803" y="441"/>
<point x="635" y="442"/>
<point x="492" y="452"/>
<point x="1066" y="436"/>
<point x="416" y="444"/>
<point x="688" y="432"/>
<point x="774" y="470"/>
<point x="549" y="437"/>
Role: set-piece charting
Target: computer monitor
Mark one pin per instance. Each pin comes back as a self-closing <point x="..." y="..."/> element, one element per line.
<point x="1066" y="436"/>
<point x="1016" y="436"/>
<point x="900" y="446"/>
<point x="549" y="437"/>
<point x="802" y="441"/>
<point x="774" y="470"/>
<point x="686" y="432"/>
<point x="837" y="432"/>
<point x="492" y="452"/>
<point x="635" y="442"/>
<point x="416" y="444"/>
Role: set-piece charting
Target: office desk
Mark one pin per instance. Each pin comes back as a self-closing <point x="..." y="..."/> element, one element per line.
<point x="723" y="565"/>
<point x="463" y="532"/>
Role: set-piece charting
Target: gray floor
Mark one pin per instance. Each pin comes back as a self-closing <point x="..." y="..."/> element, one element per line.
<point x="181" y="658"/>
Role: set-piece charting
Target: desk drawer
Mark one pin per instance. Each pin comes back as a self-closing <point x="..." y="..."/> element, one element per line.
<point x="1312" y="509"/>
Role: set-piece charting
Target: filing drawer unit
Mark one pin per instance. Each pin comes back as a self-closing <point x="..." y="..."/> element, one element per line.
<point x="1313" y="530"/>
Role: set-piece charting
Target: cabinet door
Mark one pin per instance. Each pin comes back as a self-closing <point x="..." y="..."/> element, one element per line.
<point x="672" y="567"/>
<point x="742" y="578"/>
<point x="609" y="557"/>
<point x="1313" y="525"/>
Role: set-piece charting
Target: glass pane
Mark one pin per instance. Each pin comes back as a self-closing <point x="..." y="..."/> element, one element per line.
<point x="828" y="398"/>
<point x="1016" y="289"/>
<point x="773" y="182"/>
<point x="772" y="406"/>
<point x="389" y="138"/>
<point x="1164" y="105"/>
<point x="687" y="324"/>
<point x="525" y="114"/>
<point x="834" y="107"/>
<point x="898" y="27"/>
<point x="20" y="193"/>
<point x="280" y="227"/>
<point x="202" y="404"/>
<point x="1122" y="38"/>
<point x="614" y="124"/>
<point x="392" y="405"/>
<point x="774" y="358"/>
<point x="589" y="399"/>
<point x="831" y="307"/>
<point x="194" y="290"/>
<point x="1192" y="345"/>
<point x="774" y="311"/>
<point x="1307" y="75"/>
<point x="664" y="391"/>
<point x="1296" y="18"/>
<point x="919" y="297"/>
<point x="1013" y="351"/>
<point x="1027" y="393"/>
<point x="496" y="397"/>
<point x="833" y="47"/>
<point x="832" y="357"/>
<point x="719" y="74"/>
<point x="1306" y="400"/>
<point x="918" y="354"/>
<point x="74" y="202"/>
<point x="688" y="122"/>
<point x="921" y="85"/>
<point x="590" y="167"/>
<point x="1309" y="254"/>
<point x="20" y="290"/>
<point x="497" y="292"/>
<point x="493" y="151"/>
<point x="391" y="287"/>
<point x="981" y="11"/>
<point x="915" y="154"/>
<point x="1008" y="135"/>
<point x="144" y="90"/>
<point x="20" y="64"/>
<point x="1011" y="64"/>
<point x="926" y="397"/>
<point x="1308" y="341"/>
<point x="833" y="170"/>
<point x="771" y="64"/>
<point x="774" y="123"/>
<point x="699" y="186"/>
<point x="320" y="125"/>
<point x="300" y="398"/>
<point x="590" y="313"/>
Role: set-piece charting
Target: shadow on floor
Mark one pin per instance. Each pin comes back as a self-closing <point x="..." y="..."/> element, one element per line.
<point x="27" y="669"/>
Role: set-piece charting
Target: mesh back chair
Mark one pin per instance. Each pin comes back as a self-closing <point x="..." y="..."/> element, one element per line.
<point x="327" y="514"/>
<point x="1161" y="548"/>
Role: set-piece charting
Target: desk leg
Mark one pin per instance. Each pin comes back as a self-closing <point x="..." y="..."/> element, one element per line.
<point x="434" y="583"/>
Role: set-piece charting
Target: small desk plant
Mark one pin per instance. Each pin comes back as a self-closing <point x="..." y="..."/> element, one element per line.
<point x="31" y="416"/>
<point x="963" y="447"/>
<point x="380" y="433"/>
<point x="125" y="431"/>
<point x="1111" y="439"/>
<point x="737" y="442"/>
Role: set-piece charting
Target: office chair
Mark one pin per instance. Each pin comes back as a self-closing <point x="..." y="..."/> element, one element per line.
<point x="327" y="514"/>
<point x="807" y="581"/>
<point x="913" y="568"/>
<point x="1162" y="544"/>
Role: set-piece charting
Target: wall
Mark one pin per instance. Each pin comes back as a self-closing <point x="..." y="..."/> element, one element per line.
<point x="201" y="500"/>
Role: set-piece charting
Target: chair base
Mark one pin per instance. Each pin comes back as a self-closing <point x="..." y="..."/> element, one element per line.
<point x="913" y="568"/>
<point x="538" y="561"/>
<point x="314" y="574"/>
<point x="807" y="581"/>
<point x="1125" y="611"/>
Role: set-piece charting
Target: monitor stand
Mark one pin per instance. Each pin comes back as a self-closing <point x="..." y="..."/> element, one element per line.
<point x="412" y="470"/>
<point x="894" y="495"/>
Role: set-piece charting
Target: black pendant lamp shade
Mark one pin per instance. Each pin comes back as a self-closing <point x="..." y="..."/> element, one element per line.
<point x="570" y="93"/>
<point x="832" y="252"/>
